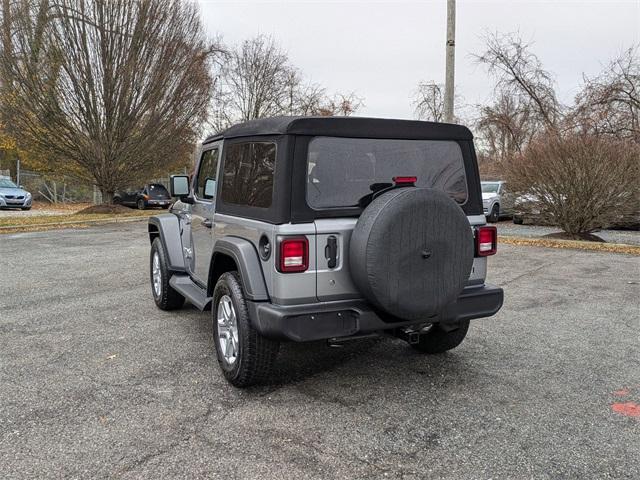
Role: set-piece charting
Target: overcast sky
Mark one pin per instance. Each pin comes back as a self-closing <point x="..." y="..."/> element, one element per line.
<point x="381" y="50"/>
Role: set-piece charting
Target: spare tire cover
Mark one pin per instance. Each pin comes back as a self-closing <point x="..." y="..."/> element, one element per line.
<point x="411" y="252"/>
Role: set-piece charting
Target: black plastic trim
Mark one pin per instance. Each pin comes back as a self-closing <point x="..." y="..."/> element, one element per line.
<point x="326" y="320"/>
<point x="168" y="225"/>
<point x="246" y="257"/>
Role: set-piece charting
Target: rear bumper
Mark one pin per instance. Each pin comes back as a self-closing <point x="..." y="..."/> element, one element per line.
<point x="325" y="320"/>
<point x="157" y="203"/>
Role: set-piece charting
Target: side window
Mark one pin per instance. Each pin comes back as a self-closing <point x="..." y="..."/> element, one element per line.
<point x="248" y="174"/>
<point x="208" y="170"/>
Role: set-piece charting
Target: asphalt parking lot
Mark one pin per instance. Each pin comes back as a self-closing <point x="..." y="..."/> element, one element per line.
<point x="95" y="382"/>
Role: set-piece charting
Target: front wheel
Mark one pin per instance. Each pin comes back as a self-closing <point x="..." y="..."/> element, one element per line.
<point x="141" y="205"/>
<point x="25" y="208"/>
<point x="438" y="340"/>
<point x="494" y="216"/>
<point x="245" y="356"/>
<point x="164" y="295"/>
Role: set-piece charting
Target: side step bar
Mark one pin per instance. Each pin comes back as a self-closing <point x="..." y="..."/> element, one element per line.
<point x="189" y="290"/>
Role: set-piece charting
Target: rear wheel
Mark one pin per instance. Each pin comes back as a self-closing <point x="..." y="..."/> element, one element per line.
<point x="245" y="356"/>
<point x="164" y="295"/>
<point x="494" y="216"/>
<point x="518" y="220"/>
<point x="438" y="340"/>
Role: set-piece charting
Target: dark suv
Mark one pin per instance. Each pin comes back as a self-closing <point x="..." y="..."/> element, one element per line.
<point x="151" y="195"/>
<point x="304" y="229"/>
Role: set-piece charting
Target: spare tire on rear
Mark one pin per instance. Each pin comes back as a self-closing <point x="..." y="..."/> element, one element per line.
<point x="411" y="252"/>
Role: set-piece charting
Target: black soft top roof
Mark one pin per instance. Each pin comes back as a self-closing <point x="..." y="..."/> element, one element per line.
<point x="359" y="127"/>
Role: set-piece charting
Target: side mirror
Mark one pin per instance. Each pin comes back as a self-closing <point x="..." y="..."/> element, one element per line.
<point x="209" y="188"/>
<point x="179" y="186"/>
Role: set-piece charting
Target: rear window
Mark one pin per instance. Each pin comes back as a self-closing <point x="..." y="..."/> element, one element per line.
<point x="342" y="170"/>
<point x="248" y="174"/>
<point x="158" y="191"/>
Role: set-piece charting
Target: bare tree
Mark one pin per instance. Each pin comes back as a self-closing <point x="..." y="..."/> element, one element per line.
<point x="525" y="103"/>
<point x="339" y="104"/>
<point x="428" y="101"/>
<point x="258" y="80"/>
<point x="579" y="163"/>
<point x="519" y="73"/>
<point x="582" y="182"/>
<point x="610" y="102"/>
<point x="505" y="127"/>
<point x="111" y="90"/>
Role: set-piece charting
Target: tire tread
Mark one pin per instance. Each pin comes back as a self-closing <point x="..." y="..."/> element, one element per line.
<point x="258" y="354"/>
<point x="170" y="299"/>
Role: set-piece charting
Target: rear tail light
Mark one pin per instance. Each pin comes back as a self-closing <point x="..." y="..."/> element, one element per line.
<point x="486" y="241"/>
<point x="294" y="255"/>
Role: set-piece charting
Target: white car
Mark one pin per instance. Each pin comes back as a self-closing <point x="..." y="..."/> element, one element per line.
<point x="496" y="201"/>
<point x="13" y="196"/>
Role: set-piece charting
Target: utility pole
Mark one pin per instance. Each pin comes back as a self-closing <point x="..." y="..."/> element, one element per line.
<point x="451" y="60"/>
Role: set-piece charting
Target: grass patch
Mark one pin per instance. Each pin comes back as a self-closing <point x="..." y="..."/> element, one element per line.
<point x="571" y="244"/>
<point x="33" y="223"/>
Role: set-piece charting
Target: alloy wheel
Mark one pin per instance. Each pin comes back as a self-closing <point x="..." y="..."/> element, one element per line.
<point x="156" y="274"/>
<point x="227" y="329"/>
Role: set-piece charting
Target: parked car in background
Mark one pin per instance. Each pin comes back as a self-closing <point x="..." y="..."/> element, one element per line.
<point x="151" y="195"/>
<point x="496" y="201"/>
<point x="528" y="209"/>
<point x="13" y="196"/>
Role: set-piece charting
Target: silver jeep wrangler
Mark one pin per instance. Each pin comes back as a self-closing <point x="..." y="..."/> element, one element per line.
<point x="304" y="228"/>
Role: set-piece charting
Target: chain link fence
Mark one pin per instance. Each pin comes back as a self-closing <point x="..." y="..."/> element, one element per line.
<point x="71" y="190"/>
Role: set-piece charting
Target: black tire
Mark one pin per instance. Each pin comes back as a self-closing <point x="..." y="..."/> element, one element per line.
<point x="411" y="252"/>
<point x="437" y="340"/>
<point x="256" y="354"/>
<point x="117" y="200"/>
<point x="25" y="208"/>
<point x="494" y="216"/>
<point x="140" y="204"/>
<point x="518" y="220"/>
<point x="166" y="298"/>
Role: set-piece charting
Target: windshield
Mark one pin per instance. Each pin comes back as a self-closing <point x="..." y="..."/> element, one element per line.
<point x="6" y="183"/>
<point x="158" y="191"/>
<point x="340" y="171"/>
<point x="490" y="187"/>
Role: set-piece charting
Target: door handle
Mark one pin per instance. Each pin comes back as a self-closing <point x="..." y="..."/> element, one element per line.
<point x="207" y="223"/>
<point x="331" y="251"/>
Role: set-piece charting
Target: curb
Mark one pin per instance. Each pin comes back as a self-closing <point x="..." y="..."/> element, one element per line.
<point x="571" y="244"/>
